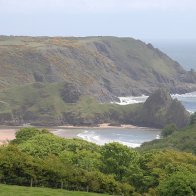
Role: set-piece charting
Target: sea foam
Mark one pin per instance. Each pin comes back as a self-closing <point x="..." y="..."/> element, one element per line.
<point x="93" y="137"/>
<point x="187" y="99"/>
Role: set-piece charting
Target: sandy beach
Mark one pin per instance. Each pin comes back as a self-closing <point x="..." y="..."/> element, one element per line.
<point x="104" y="125"/>
<point x="8" y="133"/>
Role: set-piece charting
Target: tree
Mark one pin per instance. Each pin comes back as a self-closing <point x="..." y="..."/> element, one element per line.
<point x="25" y="134"/>
<point x="43" y="145"/>
<point x="55" y="171"/>
<point x="168" y="130"/>
<point x="193" y="119"/>
<point x="179" y="183"/>
<point x="118" y="159"/>
<point x="17" y="167"/>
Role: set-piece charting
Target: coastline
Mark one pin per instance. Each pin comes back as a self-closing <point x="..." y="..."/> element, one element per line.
<point x="7" y="133"/>
<point x="103" y="125"/>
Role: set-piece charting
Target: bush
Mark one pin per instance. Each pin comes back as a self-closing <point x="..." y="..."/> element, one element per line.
<point x="180" y="184"/>
<point x="25" y="134"/>
<point x="168" y="130"/>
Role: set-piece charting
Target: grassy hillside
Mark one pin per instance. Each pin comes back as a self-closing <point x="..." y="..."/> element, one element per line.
<point x="100" y="66"/>
<point x="12" y="190"/>
<point x="50" y="104"/>
<point x="183" y="140"/>
<point x="43" y="104"/>
<point x="56" y="80"/>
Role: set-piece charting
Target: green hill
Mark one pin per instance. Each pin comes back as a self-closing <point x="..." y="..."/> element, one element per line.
<point x="51" y="105"/>
<point x="100" y="66"/>
<point x="57" y="80"/>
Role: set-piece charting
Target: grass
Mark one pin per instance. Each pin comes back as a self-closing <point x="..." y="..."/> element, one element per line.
<point x="12" y="190"/>
<point x="44" y="102"/>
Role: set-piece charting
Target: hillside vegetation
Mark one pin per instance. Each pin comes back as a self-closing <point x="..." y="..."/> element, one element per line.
<point x="34" y="104"/>
<point x="183" y="140"/>
<point x="57" y="80"/>
<point x="37" y="158"/>
<point x="100" y="66"/>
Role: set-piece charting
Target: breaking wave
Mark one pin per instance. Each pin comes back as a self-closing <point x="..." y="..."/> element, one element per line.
<point x="92" y="136"/>
<point x="187" y="99"/>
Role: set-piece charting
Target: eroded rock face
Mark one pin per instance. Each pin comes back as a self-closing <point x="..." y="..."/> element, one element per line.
<point x="160" y="109"/>
<point x="104" y="67"/>
<point x="34" y="69"/>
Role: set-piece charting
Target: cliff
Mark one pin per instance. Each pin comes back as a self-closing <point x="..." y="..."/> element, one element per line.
<point x="160" y="109"/>
<point x="51" y="80"/>
<point x="104" y="67"/>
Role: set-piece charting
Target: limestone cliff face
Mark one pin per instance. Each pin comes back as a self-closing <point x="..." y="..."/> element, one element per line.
<point x="42" y="78"/>
<point x="104" y="67"/>
<point x="160" y="109"/>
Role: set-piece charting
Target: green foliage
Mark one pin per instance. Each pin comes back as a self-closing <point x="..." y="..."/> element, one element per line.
<point x="168" y="130"/>
<point x="43" y="104"/>
<point x="118" y="159"/>
<point x="43" y="145"/>
<point x="193" y="119"/>
<point x="42" y="159"/>
<point x="85" y="159"/>
<point x="16" y="167"/>
<point x="180" y="184"/>
<point x="25" y="134"/>
<point x="183" y="140"/>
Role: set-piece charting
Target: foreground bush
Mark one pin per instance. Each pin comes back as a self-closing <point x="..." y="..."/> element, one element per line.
<point x="41" y="159"/>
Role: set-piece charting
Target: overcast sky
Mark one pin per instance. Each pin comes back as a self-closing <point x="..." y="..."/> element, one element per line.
<point x="142" y="19"/>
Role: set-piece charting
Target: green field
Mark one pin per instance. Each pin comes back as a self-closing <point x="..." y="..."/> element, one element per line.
<point x="9" y="190"/>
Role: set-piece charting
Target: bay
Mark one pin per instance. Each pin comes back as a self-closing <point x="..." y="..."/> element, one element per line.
<point x="132" y="137"/>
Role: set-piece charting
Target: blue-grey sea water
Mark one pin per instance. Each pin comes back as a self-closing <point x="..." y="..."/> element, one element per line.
<point x="132" y="137"/>
<point x="188" y="100"/>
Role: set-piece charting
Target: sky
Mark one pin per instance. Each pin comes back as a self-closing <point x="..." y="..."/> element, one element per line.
<point x="141" y="19"/>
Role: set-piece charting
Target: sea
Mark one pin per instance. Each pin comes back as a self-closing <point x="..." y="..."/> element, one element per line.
<point x="132" y="137"/>
<point x="188" y="100"/>
<point x="184" y="53"/>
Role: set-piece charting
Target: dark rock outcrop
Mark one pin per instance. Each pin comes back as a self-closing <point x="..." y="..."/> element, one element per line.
<point x="160" y="109"/>
<point x="70" y="93"/>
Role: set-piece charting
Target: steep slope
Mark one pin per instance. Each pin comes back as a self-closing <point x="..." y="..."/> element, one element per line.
<point x="104" y="67"/>
<point x="160" y="109"/>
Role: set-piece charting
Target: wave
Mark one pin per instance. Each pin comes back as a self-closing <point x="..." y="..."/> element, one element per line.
<point x="131" y="100"/>
<point x="158" y="137"/>
<point x="93" y="137"/>
<point x="186" y="95"/>
<point x="132" y="145"/>
<point x="142" y="98"/>
<point x="191" y="111"/>
<point x="187" y="99"/>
